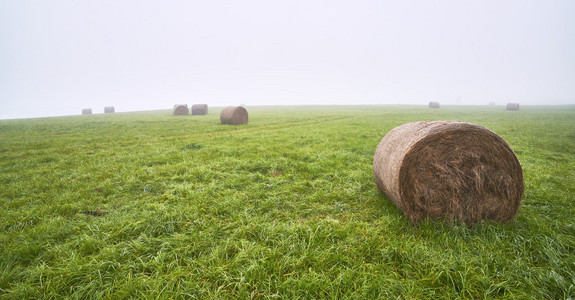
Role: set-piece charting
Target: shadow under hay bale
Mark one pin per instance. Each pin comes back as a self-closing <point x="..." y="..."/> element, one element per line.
<point x="433" y="104"/>
<point x="181" y="110"/>
<point x="234" y="115"/>
<point x="512" y="106"/>
<point x="199" y="109"/>
<point x="452" y="171"/>
<point x="87" y="111"/>
<point x="109" y="110"/>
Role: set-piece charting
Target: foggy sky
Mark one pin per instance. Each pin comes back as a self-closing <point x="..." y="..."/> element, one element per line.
<point x="59" y="56"/>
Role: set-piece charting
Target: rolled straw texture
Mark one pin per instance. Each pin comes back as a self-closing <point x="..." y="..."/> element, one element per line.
<point x="181" y="110"/>
<point x="234" y="115"/>
<point x="452" y="171"/>
<point x="199" y="109"/>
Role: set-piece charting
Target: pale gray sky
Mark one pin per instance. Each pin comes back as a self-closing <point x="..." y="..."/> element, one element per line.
<point x="59" y="56"/>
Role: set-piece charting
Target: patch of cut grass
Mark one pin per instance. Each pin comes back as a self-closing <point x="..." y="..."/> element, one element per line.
<point x="149" y="205"/>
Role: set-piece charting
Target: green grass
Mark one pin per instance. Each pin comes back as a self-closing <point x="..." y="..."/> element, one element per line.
<point x="150" y="205"/>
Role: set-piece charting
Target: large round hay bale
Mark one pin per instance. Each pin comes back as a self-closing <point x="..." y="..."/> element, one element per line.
<point x="181" y="110"/>
<point x="433" y="104"/>
<point x="234" y="115"/>
<point x="87" y="111"/>
<point x="452" y="171"/>
<point x="109" y="110"/>
<point x="512" y="106"/>
<point x="199" y="109"/>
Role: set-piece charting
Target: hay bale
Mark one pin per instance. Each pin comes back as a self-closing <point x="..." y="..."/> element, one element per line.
<point x="452" y="171"/>
<point x="181" y="110"/>
<point x="109" y="110"/>
<point x="512" y="106"/>
<point x="199" y="109"/>
<point x="234" y="115"/>
<point x="87" y="111"/>
<point x="491" y="103"/>
<point x="433" y="104"/>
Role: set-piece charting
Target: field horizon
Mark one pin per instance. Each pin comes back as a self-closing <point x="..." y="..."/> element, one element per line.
<point x="147" y="204"/>
<point x="496" y="106"/>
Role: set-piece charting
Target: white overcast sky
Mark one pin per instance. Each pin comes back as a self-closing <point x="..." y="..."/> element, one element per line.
<point x="59" y="56"/>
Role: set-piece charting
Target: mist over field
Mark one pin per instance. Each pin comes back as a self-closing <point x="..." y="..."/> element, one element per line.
<point x="58" y="57"/>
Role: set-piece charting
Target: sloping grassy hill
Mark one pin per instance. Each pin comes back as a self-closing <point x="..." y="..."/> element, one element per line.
<point x="148" y="204"/>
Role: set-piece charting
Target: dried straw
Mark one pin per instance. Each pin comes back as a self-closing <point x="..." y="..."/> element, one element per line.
<point x="199" y="109"/>
<point x="87" y="111"/>
<point x="234" y="115"/>
<point x="512" y="106"/>
<point x="109" y="110"/>
<point x="452" y="171"/>
<point x="433" y="104"/>
<point x="181" y="110"/>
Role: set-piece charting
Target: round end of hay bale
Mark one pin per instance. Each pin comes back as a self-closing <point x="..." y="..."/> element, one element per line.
<point x="181" y="110"/>
<point x="433" y="104"/>
<point x="87" y="111"/>
<point x="452" y="171"/>
<point x="109" y="110"/>
<point x="234" y="115"/>
<point x="199" y="109"/>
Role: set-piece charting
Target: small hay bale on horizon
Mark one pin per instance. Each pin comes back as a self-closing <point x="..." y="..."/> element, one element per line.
<point x="199" y="109"/>
<point x="451" y="171"/>
<point x="87" y="111"/>
<point x="234" y="115"/>
<point x="433" y="104"/>
<point x="491" y="103"/>
<point x="109" y="110"/>
<point x="512" y="106"/>
<point x="181" y="110"/>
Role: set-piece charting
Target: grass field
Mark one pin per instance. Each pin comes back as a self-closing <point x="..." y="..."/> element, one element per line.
<point x="147" y="204"/>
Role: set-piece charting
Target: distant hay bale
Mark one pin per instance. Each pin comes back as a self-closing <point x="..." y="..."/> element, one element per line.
<point x="491" y="103"/>
<point x="181" y="110"/>
<point x="433" y="104"/>
<point x="512" y="106"/>
<point x="109" y="110"/>
<point x="234" y="115"/>
<point x="87" y="111"/>
<point x="452" y="171"/>
<point x="199" y="109"/>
